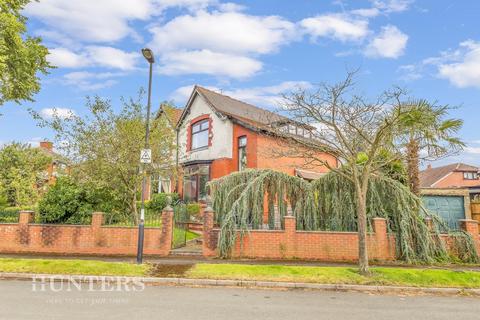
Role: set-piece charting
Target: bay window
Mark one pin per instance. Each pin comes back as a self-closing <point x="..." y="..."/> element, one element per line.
<point x="195" y="179"/>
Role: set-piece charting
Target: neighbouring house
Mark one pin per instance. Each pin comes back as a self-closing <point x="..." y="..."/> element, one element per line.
<point x="455" y="175"/>
<point x="448" y="190"/>
<point x="59" y="165"/>
<point x="218" y="135"/>
<point x="160" y="183"/>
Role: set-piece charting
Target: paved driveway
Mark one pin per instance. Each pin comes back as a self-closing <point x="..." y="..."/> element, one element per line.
<point x="19" y="301"/>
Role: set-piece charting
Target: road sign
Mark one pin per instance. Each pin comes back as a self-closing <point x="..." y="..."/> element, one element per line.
<point x="146" y="156"/>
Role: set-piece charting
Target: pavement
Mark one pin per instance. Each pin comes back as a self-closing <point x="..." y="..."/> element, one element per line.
<point x="18" y="300"/>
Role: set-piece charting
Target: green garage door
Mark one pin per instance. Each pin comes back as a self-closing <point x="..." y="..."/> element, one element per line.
<point x="449" y="208"/>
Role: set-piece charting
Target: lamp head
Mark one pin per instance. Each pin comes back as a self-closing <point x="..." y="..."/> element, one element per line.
<point x="148" y="54"/>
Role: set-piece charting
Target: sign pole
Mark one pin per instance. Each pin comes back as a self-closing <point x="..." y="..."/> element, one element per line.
<point x="144" y="159"/>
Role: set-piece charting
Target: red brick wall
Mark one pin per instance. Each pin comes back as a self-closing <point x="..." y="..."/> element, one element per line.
<point x="260" y="155"/>
<point x="313" y="245"/>
<point x="94" y="239"/>
<point x="270" y="149"/>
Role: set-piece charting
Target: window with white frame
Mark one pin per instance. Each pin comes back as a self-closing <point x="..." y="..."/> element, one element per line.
<point x="470" y="176"/>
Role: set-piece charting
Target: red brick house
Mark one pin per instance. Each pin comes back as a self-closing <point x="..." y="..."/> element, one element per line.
<point x="58" y="166"/>
<point x="218" y="135"/>
<point x="455" y="175"/>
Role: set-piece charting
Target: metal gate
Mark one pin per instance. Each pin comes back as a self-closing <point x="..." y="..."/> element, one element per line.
<point x="449" y="208"/>
<point x="181" y="219"/>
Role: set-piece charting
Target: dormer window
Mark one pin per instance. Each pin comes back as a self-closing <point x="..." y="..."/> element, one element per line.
<point x="470" y="176"/>
<point x="200" y="134"/>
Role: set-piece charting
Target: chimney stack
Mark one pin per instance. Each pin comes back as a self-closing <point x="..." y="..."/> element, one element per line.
<point x="47" y="145"/>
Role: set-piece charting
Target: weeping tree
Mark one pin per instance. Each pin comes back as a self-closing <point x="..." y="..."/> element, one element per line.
<point x="359" y="131"/>
<point x="424" y="130"/>
<point x="329" y="203"/>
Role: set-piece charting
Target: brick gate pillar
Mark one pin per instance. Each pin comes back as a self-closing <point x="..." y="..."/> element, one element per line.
<point x="381" y="239"/>
<point x="97" y="221"/>
<point x="26" y="217"/>
<point x="290" y="223"/>
<point x="209" y="244"/>
<point x="166" y="237"/>
<point x="471" y="227"/>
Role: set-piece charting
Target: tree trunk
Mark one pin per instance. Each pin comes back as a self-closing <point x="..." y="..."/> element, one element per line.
<point x="413" y="166"/>
<point x="361" y="204"/>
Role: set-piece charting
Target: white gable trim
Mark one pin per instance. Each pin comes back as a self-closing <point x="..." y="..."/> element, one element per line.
<point x="192" y="97"/>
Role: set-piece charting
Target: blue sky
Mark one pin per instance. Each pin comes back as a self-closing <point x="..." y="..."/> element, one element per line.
<point x="254" y="50"/>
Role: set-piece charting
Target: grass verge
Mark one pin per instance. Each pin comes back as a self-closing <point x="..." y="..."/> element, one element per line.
<point x="81" y="267"/>
<point x="342" y="275"/>
<point x="326" y="275"/>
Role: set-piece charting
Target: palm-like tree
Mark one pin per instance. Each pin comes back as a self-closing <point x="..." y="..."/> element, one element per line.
<point x="427" y="135"/>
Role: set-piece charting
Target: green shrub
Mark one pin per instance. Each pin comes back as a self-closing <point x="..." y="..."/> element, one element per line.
<point x="193" y="209"/>
<point x="159" y="201"/>
<point x="67" y="202"/>
<point x="3" y="201"/>
<point x="9" y="214"/>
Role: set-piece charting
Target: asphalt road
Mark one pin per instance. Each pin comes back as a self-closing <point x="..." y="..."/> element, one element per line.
<point x="19" y="301"/>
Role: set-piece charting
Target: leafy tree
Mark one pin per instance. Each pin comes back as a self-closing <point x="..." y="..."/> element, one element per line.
<point x="424" y="130"/>
<point x="21" y="56"/>
<point x="358" y="131"/>
<point x="66" y="201"/>
<point x="22" y="172"/>
<point x="105" y="145"/>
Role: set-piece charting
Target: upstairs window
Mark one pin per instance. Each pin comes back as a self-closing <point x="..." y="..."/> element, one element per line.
<point x="200" y="134"/>
<point x="242" y="153"/>
<point x="470" y="176"/>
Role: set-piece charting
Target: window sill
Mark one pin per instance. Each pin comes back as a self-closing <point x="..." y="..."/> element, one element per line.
<point x="199" y="149"/>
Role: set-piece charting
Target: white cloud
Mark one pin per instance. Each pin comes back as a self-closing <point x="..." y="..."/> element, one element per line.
<point x="409" y="72"/>
<point x="91" y="20"/>
<point x="268" y="96"/>
<point x="366" y="12"/>
<point x="226" y="32"/>
<point x="59" y="112"/>
<point x="65" y="58"/>
<point x="472" y="150"/>
<point x="389" y="6"/>
<point x="88" y="81"/>
<point x="464" y="70"/>
<point x="460" y="66"/>
<point x="390" y="43"/>
<point x="103" y="56"/>
<point x="208" y="62"/>
<point x="107" y="20"/>
<point x="337" y="26"/>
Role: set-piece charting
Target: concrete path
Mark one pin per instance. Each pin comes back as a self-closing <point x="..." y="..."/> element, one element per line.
<point x="19" y="301"/>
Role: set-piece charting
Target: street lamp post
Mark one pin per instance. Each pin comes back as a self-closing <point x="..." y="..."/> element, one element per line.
<point x="148" y="54"/>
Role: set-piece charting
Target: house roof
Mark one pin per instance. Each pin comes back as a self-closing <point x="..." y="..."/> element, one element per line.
<point x="241" y="111"/>
<point x="431" y="176"/>
<point x="173" y="114"/>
